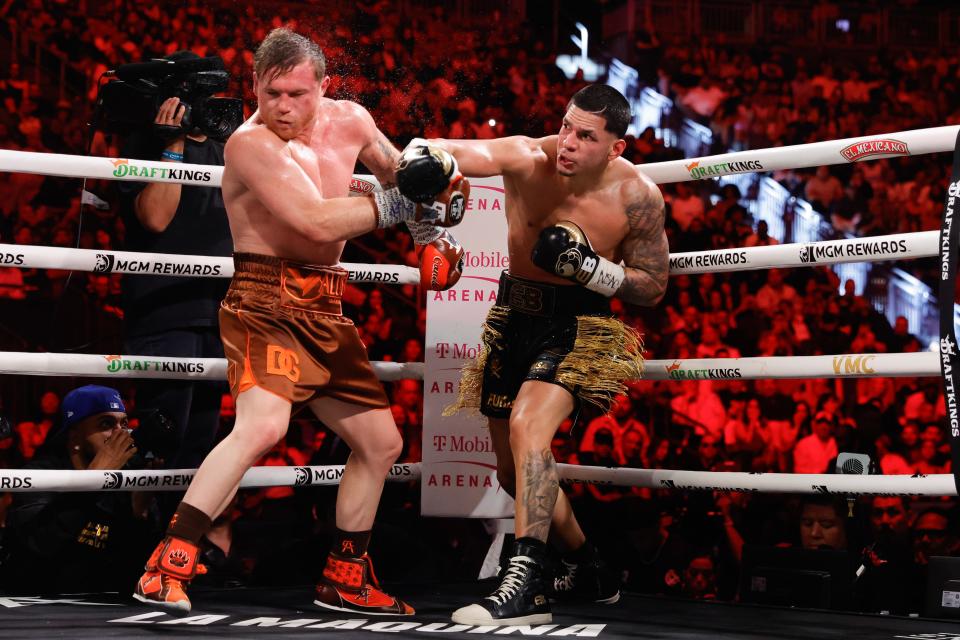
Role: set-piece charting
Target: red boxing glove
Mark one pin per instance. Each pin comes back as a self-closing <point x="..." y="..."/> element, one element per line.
<point x="441" y="262"/>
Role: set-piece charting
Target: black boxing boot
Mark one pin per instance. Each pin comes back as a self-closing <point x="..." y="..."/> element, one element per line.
<point x="521" y="597"/>
<point x="584" y="577"/>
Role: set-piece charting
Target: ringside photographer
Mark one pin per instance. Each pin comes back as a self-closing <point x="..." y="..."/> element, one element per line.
<point x="164" y="315"/>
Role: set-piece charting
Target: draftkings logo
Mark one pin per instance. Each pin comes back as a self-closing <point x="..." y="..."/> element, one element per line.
<point x="698" y="172"/>
<point x="112" y="479"/>
<point x="116" y="364"/>
<point x="947" y="252"/>
<point x="948" y="346"/>
<point x="124" y="168"/>
<point x="948" y="352"/>
<point x="676" y="371"/>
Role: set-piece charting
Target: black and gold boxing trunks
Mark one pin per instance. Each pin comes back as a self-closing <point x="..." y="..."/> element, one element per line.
<point x="559" y="334"/>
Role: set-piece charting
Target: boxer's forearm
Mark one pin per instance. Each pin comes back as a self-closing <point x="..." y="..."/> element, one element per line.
<point x="642" y="288"/>
<point x="474" y="157"/>
<point x="646" y="252"/>
<point x="515" y="155"/>
<point x="339" y="219"/>
<point x="381" y="158"/>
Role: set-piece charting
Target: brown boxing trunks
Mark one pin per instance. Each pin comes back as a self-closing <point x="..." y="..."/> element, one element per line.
<point x="283" y="331"/>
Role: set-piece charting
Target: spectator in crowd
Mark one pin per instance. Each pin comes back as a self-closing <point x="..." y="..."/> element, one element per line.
<point x="69" y="542"/>
<point x="823" y="522"/>
<point x="815" y="452"/>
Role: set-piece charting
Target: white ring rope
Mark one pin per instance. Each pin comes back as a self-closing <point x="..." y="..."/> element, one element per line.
<point x="170" y="264"/>
<point x="854" y="365"/>
<point x="886" y="145"/>
<point x="921" y="244"/>
<point x="932" y="485"/>
<point x="29" y="480"/>
<point x="815" y="154"/>
<point x="25" y="480"/>
<point x="899" y="246"/>
<point x="127" y="366"/>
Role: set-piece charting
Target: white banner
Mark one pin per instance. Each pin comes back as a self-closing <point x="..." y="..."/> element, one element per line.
<point x="460" y="466"/>
<point x="169" y="264"/>
<point x="887" y="145"/>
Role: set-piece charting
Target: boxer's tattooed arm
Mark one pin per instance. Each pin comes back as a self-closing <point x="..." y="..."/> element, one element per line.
<point x="645" y="250"/>
<point x="392" y="156"/>
<point x="381" y="158"/>
<point x="541" y="485"/>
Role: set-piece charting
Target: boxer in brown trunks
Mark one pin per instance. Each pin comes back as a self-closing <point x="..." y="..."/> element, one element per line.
<point x="286" y="178"/>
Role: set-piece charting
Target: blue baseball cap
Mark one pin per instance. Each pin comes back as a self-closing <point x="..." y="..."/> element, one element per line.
<point x="83" y="402"/>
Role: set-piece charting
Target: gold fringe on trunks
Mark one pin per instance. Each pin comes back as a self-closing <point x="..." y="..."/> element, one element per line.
<point x="471" y="376"/>
<point x="605" y="353"/>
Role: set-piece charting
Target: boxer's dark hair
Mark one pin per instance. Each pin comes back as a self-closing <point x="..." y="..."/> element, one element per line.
<point x="283" y="49"/>
<point x="606" y="102"/>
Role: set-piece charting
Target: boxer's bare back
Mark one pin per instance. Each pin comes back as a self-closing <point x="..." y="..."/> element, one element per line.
<point x="297" y="149"/>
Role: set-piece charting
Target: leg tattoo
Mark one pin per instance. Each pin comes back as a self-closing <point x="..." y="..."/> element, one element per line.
<point x="540" y="490"/>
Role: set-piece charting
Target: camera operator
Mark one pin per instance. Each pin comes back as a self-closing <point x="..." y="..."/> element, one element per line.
<point x="67" y="542"/>
<point x="176" y="316"/>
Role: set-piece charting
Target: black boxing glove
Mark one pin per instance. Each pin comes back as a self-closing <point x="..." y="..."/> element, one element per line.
<point x="564" y="250"/>
<point x="424" y="171"/>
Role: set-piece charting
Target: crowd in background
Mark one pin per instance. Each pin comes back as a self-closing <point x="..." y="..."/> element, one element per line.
<point x="486" y="82"/>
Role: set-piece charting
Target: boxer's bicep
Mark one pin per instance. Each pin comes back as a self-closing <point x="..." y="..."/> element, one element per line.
<point x="377" y="153"/>
<point x="646" y="252"/>
<point x="380" y="156"/>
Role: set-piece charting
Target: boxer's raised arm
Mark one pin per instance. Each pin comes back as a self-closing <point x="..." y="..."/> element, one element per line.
<point x="262" y="162"/>
<point x="515" y="156"/>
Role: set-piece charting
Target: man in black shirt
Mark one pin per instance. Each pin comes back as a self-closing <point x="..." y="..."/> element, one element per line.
<point x="69" y="542"/>
<point x="176" y="316"/>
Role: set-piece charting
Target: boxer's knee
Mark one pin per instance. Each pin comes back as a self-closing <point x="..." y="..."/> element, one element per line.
<point x="254" y="440"/>
<point x="382" y="450"/>
<point x="527" y="432"/>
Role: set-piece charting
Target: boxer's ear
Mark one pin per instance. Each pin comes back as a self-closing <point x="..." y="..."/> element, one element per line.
<point x="256" y="83"/>
<point x="324" y="84"/>
<point x="617" y="149"/>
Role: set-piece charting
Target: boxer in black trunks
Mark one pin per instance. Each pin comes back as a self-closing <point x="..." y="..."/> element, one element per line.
<point x="575" y="210"/>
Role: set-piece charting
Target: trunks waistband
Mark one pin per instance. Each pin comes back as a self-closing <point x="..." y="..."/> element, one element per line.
<point x="547" y="300"/>
<point x="295" y="285"/>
